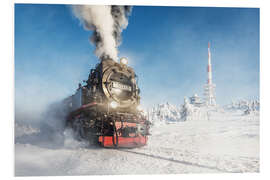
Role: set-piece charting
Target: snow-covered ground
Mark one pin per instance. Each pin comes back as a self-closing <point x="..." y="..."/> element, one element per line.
<point x="225" y="141"/>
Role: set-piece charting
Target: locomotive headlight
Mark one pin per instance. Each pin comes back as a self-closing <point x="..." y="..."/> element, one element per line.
<point x="124" y="61"/>
<point x="113" y="104"/>
<point x="139" y="108"/>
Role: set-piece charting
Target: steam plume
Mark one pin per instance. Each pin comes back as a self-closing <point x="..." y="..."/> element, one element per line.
<point x="107" y="23"/>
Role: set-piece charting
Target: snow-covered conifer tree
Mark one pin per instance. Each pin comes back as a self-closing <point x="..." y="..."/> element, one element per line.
<point x="186" y="110"/>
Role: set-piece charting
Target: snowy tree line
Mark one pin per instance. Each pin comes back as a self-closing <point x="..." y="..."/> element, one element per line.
<point x="168" y="113"/>
<point x="245" y="104"/>
<point x="248" y="106"/>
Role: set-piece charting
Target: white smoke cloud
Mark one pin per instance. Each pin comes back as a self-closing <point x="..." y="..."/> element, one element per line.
<point x="99" y="19"/>
<point x="107" y="23"/>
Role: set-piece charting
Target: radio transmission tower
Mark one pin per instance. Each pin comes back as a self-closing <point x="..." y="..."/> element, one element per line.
<point x="209" y="87"/>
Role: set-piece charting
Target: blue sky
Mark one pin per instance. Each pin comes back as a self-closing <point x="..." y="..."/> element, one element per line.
<point x="167" y="46"/>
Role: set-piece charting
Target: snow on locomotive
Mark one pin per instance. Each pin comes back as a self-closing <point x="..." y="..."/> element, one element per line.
<point x="106" y="108"/>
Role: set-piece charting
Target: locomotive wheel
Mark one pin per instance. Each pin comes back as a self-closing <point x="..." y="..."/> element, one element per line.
<point x="115" y="135"/>
<point x="78" y="130"/>
<point x="93" y="139"/>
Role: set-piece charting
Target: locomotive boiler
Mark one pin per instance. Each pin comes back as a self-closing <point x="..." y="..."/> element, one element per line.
<point x="105" y="109"/>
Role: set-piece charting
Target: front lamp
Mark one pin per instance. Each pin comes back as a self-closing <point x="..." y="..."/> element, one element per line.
<point x="124" y="61"/>
<point x="139" y="108"/>
<point x="113" y="104"/>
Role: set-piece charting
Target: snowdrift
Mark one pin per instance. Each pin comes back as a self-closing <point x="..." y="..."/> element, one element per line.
<point x="209" y="140"/>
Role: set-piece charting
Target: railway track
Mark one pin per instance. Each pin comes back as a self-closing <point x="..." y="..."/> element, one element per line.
<point x="219" y="164"/>
<point x="177" y="161"/>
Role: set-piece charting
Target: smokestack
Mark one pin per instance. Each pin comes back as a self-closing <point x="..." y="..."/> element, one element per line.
<point x="107" y="24"/>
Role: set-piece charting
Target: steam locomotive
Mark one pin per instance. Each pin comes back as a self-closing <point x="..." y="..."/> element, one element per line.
<point x="105" y="110"/>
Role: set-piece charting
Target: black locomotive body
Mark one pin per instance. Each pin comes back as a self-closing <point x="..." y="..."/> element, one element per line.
<point x="105" y="110"/>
